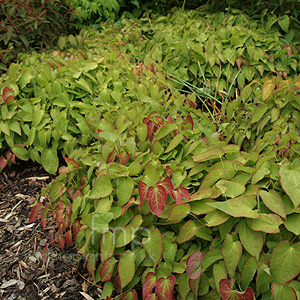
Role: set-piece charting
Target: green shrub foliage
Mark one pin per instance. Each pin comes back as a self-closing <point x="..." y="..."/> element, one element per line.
<point x="164" y="199"/>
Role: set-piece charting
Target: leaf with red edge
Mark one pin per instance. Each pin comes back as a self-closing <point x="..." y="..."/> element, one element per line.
<point x="111" y="157"/>
<point x="45" y="254"/>
<point x="164" y="288"/>
<point x="150" y="129"/>
<point x="8" y="95"/>
<point x="149" y="284"/>
<point x="176" y="196"/>
<point x="169" y="119"/>
<point x="131" y="202"/>
<point x="193" y="265"/>
<point x="228" y="293"/>
<point x="3" y="162"/>
<point x="107" y="269"/>
<point x="43" y="222"/>
<point x="130" y="296"/>
<point x="35" y="212"/>
<point x="157" y="197"/>
<point x="194" y="285"/>
<point x="118" y="282"/>
<point x="91" y="263"/>
<point x="184" y="192"/>
<point x="142" y="191"/>
<point x="68" y="238"/>
<point x="189" y="120"/>
<point x="61" y="242"/>
<point x="239" y="61"/>
<point x="72" y="165"/>
<point x="151" y="296"/>
<point x="168" y="185"/>
<point x="76" y="228"/>
<point x="123" y="157"/>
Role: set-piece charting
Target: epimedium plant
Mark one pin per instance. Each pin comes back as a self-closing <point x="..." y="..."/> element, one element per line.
<point x="161" y="199"/>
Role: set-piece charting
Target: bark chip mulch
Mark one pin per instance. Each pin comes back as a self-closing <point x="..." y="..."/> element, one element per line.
<point x="22" y="272"/>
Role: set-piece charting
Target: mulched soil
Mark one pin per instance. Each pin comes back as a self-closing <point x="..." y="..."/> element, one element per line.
<point x="22" y="272"/>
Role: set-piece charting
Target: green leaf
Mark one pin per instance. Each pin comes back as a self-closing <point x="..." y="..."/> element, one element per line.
<point x="126" y="267"/>
<point x="178" y="213"/>
<point x="26" y="77"/>
<point x="15" y="126"/>
<point x="37" y="117"/>
<point x="285" y="262"/>
<point x="290" y="181"/>
<point x="20" y="152"/>
<point x="248" y="271"/>
<point x="219" y="271"/>
<point x="216" y="218"/>
<point x="237" y="207"/>
<point x="84" y="85"/>
<point x="154" y="246"/>
<point x="187" y="231"/>
<point x="284" y="22"/>
<point x="230" y="189"/>
<point x="98" y="221"/>
<point x="4" y="128"/>
<point x="102" y="187"/>
<point x="210" y="257"/>
<point x="183" y="286"/>
<point x="165" y="130"/>
<point x="124" y="190"/>
<point x="263" y="279"/>
<point x="292" y="223"/>
<point x="175" y="142"/>
<point x="251" y="240"/>
<point x="266" y="222"/>
<point x="212" y="177"/>
<point x="274" y="202"/>
<point x="49" y="160"/>
<point x="232" y="252"/>
<point x="209" y="154"/>
<point x="281" y="292"/>
<point x="268" y="89"/>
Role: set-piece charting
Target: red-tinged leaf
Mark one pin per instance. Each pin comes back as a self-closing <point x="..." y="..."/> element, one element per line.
<point x="176" y="196"/>
<point x="99" y="130"/>
<point x="45" y="254"/>
<point x="91" y="264"/>
<point x="13" y="158"/>
<point x="164" y="288"/>
<point x="123" y="157"/>
<point x="169" y="119"/>
<point x="149" y="284"/>
<point x="62" y="190"/>
<point x="131" y="202"/>
<point x="8" y="95"/>
<point x="228" y="293"/>
<point x="193" y="265"/>
<point x="3" y="162"/>
<point x="239" y="61"/>
<point x="150" y="128"/>
<point x="168" y="171"/>
<point x="107" y="269"/>
<point x="191" y="103"/>
<point x="146" y="119"/>
<point x="157" y="198"/>
<point x="68" y="238"/>
<point x="75" y="195"/>
<point x="168" y="185"/>
<point x="190" y="121"/>
<point x="61" y="205"/>
<point x="76" y="228"/>
<point x="130" y="296"/>
<point x="51" y="238"/>
<point x="71" y="162"/>
<point x="111" y="157"/>
<point x="61" y="242"/>
<point x="142" y="191"/>
<point x="43" y="222"/>
<point x="118" y="282"/>
<point x="194" y="285"/>
<point x="151" y="296"/>
<point x="35" y="212"/>
<point x="83" y="181"/>
<point x="184" y="192"/>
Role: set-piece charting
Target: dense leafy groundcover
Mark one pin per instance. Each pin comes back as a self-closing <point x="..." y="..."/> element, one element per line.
<point x="164" y="199"/>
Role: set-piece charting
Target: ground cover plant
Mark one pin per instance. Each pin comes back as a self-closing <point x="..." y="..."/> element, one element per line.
<point x="170" y="183"/>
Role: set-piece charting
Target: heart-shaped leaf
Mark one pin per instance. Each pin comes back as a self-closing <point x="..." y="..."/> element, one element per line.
<point x="193" y="265"/>
<point x="157" y="197"/>
<point x="164" y="288"/>
<point x="107" y="269"/>
<point x="228" y="293"/>
<point x="149" y="284"/>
